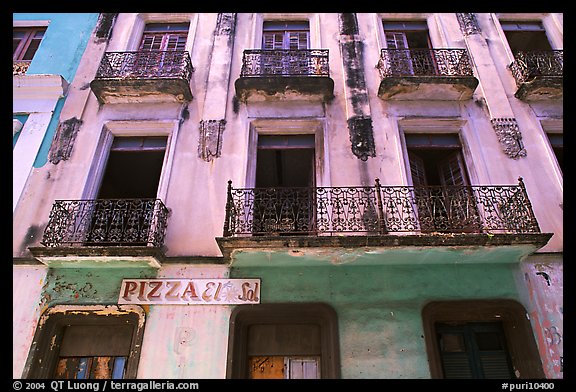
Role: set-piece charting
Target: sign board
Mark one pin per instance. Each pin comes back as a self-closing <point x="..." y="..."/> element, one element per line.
<point x="190" y="291"/>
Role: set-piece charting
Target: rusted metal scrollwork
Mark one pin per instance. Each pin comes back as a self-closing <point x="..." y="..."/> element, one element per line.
<point x="424" y="62"/>
<point x="283" y="62"/>
<point x="145" y="64"/>
<point x="106" y="222"/>
<point x="378" y="210"/>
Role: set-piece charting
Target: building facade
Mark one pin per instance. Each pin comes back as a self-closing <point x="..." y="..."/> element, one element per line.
<point x="313" y="195"/>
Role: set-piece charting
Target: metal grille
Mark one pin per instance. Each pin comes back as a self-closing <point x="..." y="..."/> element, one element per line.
<point x="145" y="64"/>
<point x="378" y="210"/>
<point x="424" y="62"/>
<point x="528" y="65"/>
<point x="106" y="222"/>
<point x="283" y="62"/>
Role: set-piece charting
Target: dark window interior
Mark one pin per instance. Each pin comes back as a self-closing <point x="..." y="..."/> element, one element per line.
<point x="525" y="36"/>
<point x="409" y="34"/>
<point x="285" y="161"/>
<point x="557" y="143"/>
<point x="26" y="42"/>
<point x="133" y="168"/>
<point x="436" y="159"/>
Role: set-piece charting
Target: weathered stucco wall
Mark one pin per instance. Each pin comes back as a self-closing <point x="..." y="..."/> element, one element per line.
<point x="379" y="307"/>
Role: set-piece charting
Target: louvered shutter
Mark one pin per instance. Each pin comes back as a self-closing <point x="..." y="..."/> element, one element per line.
<point x="417" y="169"/>
<point x="451" y="170"/>
<point x="474" y="351"/>
<point x="175" y="42"/>
<point x="297" y="39"/>
<point x="272" y="40"/>
<point x="423" y="203"/>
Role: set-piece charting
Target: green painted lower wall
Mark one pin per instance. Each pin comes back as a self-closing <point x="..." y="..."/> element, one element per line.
<point x="379" y="307"/>
<point x="88" y="286"/>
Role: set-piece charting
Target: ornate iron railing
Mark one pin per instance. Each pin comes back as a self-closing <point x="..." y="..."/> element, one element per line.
<point x="301" y="62"/>
<point x="378" y="210"/>
<point x="145" y="65"/>
<point x="20" y="67"/>
<point x="106" y="222"/>
<point x="424" y="62"/>
<point x="527" y="65"/>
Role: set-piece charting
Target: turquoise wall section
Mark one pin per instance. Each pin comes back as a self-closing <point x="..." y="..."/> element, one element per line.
<point x="63" y="44"/>
<point x="59" y="53"/>
<point x="379" y="307"/>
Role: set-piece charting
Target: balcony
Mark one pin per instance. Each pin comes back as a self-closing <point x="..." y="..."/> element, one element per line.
<point x="380" y="216"/>
<point x="426" y="74"/>
<point x="538" y="75"/>
<point x="285" y="73"/>
<point x="84" y="232"/>
<point x="145" y="76"/>
<point x="20" y="67"/>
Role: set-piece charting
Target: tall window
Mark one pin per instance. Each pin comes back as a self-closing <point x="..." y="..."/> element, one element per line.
<point x="406" y="44"/>
<point x="26" y="42"/>
<point x="285" y="35"/>
<point x="285" y="165"/>
<point x="525" y="36"/>
<point x="165" y="36"/>
<point x="557" y="144"/>
<point x="133" y="168"/>
<point x="406" y="35"/>
<point x="443" y="201"/>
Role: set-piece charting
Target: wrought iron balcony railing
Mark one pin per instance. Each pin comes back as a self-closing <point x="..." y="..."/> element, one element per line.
<point x="145" y="65"/>
<point x="528" y="65"/>
<point x="424" y="62"/>
<point x="377" y="210"/>
<point x="106" y="222"/>
<point x="301" y="62"/>
<point x="20" y="67"/>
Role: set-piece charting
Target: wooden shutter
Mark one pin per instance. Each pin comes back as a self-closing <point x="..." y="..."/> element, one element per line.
<point x="297" y="40"/>
<point x="396" y="40"/>
<point x="417" y="169"/>
<point x="452" y="171"/>
<point x="151" y="42"/>
<point x="476" y="350"/>
<point x="273" y="40"/>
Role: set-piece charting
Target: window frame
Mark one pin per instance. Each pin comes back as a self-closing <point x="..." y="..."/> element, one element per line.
<point x="520" y="340"/>
<point x="24" y="45"/>
<point x="44" y="353"/>
<point x="321" y="314"/>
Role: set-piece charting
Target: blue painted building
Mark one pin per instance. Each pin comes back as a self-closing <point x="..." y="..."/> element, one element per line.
<point x="47" y="48"/>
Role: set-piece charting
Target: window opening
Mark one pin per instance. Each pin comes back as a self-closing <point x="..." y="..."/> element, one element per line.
<point x="26" y="42"/>
<point x="165" y="36"/>
<point x="408" y="44"/>
<point x="473" y="350"/>
<point x="526" y="36"/>
<point x="557" y="144"/>
<point x="284" y="201"/>
<point x="441" y="187"/>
